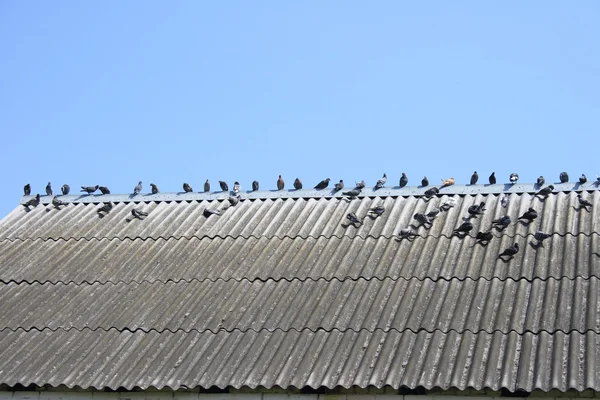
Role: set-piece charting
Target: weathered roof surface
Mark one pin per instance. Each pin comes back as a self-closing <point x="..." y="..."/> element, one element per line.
<point x="280" y="291"/>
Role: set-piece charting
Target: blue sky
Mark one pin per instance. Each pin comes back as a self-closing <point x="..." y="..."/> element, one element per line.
<point x="114" y="92"/>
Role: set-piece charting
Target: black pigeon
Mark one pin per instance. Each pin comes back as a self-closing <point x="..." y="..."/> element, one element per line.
<point x="493" y="178"/>
<point x="224" y="186"/>
<point x="509" y="252"/>
<point x="65" y="189"/>
<point x="206" y="186"/>
<point x="541" y="236"/>
<point x="433" y="213"/>
<point x="48" y="189"/>
<point x="424" y="181"/>
<point x="360" y="185"/>
<point x="106" y="207"/>
<point x="56" y="202"/>
<point x="27" y="190"/>
<point x="540" y="181"/>
<point x="208" y="212"/>
<point x="234" y="200"/>
<point x="429" y="193"/>
<point x="484" y="237"/>
<point x="464" y="228"/>
<point x="139" y="214"/>
<point x="89" y="189"/>
<point x="502" y="222"/>
<point x="514" y="177"/>
<point x="408" y="234"/>
<point x="474" y="178"/>
<point x="583" y="179"/>
<point x="104" y="189"/>
<point x="255" y="186"/>
<point x="529" y="215"/>
<point x="352" y="193"/>
<point x="137" y="188"/>
<point x="280" y="183"/>
<point x="545" y="192"/>
<point x="33" y="202"/>
<point x="354" y="219"/>
<point x="236" y="187"/>
<point x="403" y="180"/>
<point x="564" y="177"/>
<point x="583" y="202"/>
<point x="380" y="183"/>
<point x="187" y="188"/>
<point x="339" y="186"/>
<point x="155" y="189"/>
<point x="476" y="209"/>
<point x="323" y="184"/>
<point x="377" y="210"/>
<point x="423" y="220"/>
<point x="297" y="184"/>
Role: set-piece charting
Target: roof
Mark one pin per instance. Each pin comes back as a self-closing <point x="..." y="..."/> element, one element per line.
<point x="280" y="291"/>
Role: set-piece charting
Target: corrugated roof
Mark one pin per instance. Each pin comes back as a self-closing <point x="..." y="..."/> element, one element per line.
<point x="280" y="291"/>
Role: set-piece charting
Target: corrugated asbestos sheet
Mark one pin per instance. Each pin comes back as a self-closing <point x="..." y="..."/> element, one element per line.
<point x="281" y="291"/>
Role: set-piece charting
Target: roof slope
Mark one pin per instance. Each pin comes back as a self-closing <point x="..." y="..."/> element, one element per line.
<point x="281" y="291"/>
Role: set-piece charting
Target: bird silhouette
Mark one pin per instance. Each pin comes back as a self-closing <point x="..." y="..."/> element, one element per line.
<point x="381" y="182"/>
<point x="56" y="202"/>
<point x="424" y="181"/>
<point x="224" y="186"/>
<point x="34" y="202"/>
<point x="540" y="181"/>
<point x="492" y="178"/>
<point x="323" y="184"/>
<point x="582" y="179"/>
<point x="49" y="189"/>
<point x="474" y="178"/>
<point x="104" y="190"/>
<point x="514" y="177"/>
<point x="297" y="184"/>
<point x="280" y="183"/>
<point x="236" y="187"/>
<point x="27" y="190"/>
<point x="187" y="188"/>
<point x="447" y="182"/>
<point x="403" y="180"/>
<point x="155" y="189"/>
<point x="354" y="219"/>
<point x="206" y="186"/>
<point x="529" y="215"/>
<point x="255" y="186"/>
<point x="352" y="193"/>
<point x="65" y="189"/>
<point x="338" y="186"/>
<point x="509" y="252"/>
<point x="89" y="189"/>
<point x="564" y="177"/>
<point x="137" y="188"/>
<point x="138" y="213"/>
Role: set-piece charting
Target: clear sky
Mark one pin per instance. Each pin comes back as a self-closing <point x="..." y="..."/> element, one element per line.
<point x="114" y="92"/>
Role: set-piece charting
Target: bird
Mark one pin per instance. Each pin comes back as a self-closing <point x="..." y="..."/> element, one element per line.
<point x="65" y="189"/>
<point x="138" y="213"/>
<point x="56" y="202"/>
<point x="338" y="186"/>
<point x="583" y="179"/>
<point x="323" y="184"/>
<point x="597" y="180"/>
<point x="564" y="177"/>
<point x="224" y="186"/>
<point x="514" y="177"/>
<point x="49" y="189"/>
<point x="380" y="183"/>
<point x="106" y="207"/>
<point x="423" y="220"/>
<point x="541" y="236"/>
<point x="33" y="202"/>
<point x="137" y="188"/>
<point x="447" y="182"/>
<point x="502" y="222"/>
<point x="89" y="189"/>
<point x="360" y="185"/>
<point x="154" y="188"/>
<point x="464" y="228"/>
<point x="208" y="212"/>
<point x="492" y="178"/>
<point x="234" y="200"/>
<point x="583" y="202"/>
<point x="429" y="193"/>
<point x="187" y="188"/>
<point x="474" y="178"/>
<point x="352" y="193"/>
<point x="433" y="213"/>
<point x="408" y="234"/>
<point x="255" y="186"/>
<point x="529" y="215"/>
<point x="280" y="183"/>
<point x="484" y="237"/>
<point x="424" y="181"/>
<point x="27" y="190"/>
<point x="504" y="201"/>
<point x="403" y="180"/>
<point x="104" y="189"/>
<point x="545" y="192"/>
<point x="297" y="184"/>
<point x="236" y="187"/>
<point x="510" y="252"/>
<point x="206" y="186"/>
<point x="446" y="206"/>
<point x="540" y="181"/>
<point x="476" y="209"/>
<point x="377" y="210"/>
<point x="354" y="219"/>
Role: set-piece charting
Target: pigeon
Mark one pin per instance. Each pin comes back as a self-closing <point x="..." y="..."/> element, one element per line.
<point x="106" y="207"/>
<point x="360" y="185"/>
<point x="154" y="188"/>
<point x="424" y="181"/>
<point x="514" y="177"/>
<point x="280" y="183"/>
<point x="492" y="178"/>
<point x="323" y="184"/>
<point x="65" y="189"/>
<point x="476" y="209"/>
<point x="583" y="202"/>
<point x="545" y="192"/>
<point x="234" y="200"/>
<point x="408" y="234"/>
<point x="104" y="189"/>
<point x="352" y="193"/>
<point x="583" y="179"/>
<point x="564" y="177"/>
<point x="504" y="201"/>
<point x="464" y="228"/>
<point x="509" y="252"/>
<point x="137" y="188"/>
<point x="339" y="186"/>
<point x="423" y="220"/>
<point x="433" y="213"/>
<point x="187" y="188"/>
<point x="33" y="202"/>
<point x="236" y="187"/>
<point x="206" y="186"/>
<point x="297" y="184"/>
<point x="208" y="212"/>
<point x="541" y="236"/>
<point x="540" y="181"/>
<point x="403" y="180"/>
<point x="484" y="237"/>
<point x="138" y="213"/>
<point x="429" y="193"/>
<point x="446" y="206"/>
<point x="354" y="219"/>
<point x="255" y="186"/>
<point x="474" y="178"/>
<point x="48" y="189"/>
<point x="377" y="210"/>
<point x="447" y="182"/>
<point x="529" y="215"/>
<point x="56" y="202"/>
<point x="224" y="186"/>
<point x="27" y="190"/>
<point x="502" y="222"/>
<point x="380" y="183"/>
<point x="89" y="189"/>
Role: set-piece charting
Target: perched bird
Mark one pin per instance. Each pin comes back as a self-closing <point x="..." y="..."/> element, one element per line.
<point x="424" y="181"/>
<point x="224" y="186"/>
<point x="447" y="182"/>
<point x="255" y="186"/>
<point x="206" y="186"/>
<point x="408" y="234"/>
<point x="89" y="189"/>
<point x="583" y="202"/>
<point x="474" y="178"/>
<point x="582" y="179"/>
<point x="529" y="215"/>
<point x="545" y="192"/>
<point x="514" y="177"/>
<point x="27" y="190"/>
<point x="339" y="186"/>
<point x="187" y="188"/>
<point x="423" y="220"/>
<point x="236" y="187"/>
<point x="464" y="228"/>
<point x="509" y="252"/>
<point x="403" y="180"/>
<point x="137" y="188"/>
<point x="65" y="189"/>
<point x="323" y="184"/>
<point x="354" y="219"/>
<point x="104" y="189"/>
<point x="540" y="181"/>
<point x="541" y="236"/>
<point x="484" y="237"/>
<point x="429" y="193"/>
<point x="208" y="212"/>
<point x="106" y="207"/>
<point x="49" y="189"/>
<point x="433" y="213"/>
<point x="360" y="185"/>
<point x="33" y="202"/>
<point x="280" y="183"/>
<point x="446" y="206"/>
<point x="502" y="222"/>
<point x="56" y="202"/>
<point x="297" y="184"/>
<point x="377" y="210"/>
<point x="234" y="200"/>
<point x="492" y="178"/>
<point x="504" y="201"/>
<point x="154" y="188"/>
<point x="138" y="213"/>
<point x="476" y="209"/>
<point x="564" y="177"/>
<point x="381" y="183"/>
<point x="352" y="193"/>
